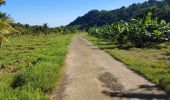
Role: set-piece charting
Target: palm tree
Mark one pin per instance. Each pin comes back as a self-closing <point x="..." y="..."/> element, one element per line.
<point x="5" y="29"/>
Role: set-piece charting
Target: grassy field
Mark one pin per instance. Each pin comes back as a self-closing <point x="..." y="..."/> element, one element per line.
<point x="154" y="64"/>
<point x="30" y="66"/>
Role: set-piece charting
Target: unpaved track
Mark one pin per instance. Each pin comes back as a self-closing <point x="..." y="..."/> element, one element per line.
<point x="85" y="63"/>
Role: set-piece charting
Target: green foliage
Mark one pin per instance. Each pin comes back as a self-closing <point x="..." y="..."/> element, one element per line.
<point x="66" y="30"/>
<point x="43" y="29"/>
<point x="164" y="83"/>
<point x="34" y="30"/>
<point x="145" y="32"/>
<point x="38" y="62"/>
<point x="95" y="18"/>
<point x="5" y="25"/>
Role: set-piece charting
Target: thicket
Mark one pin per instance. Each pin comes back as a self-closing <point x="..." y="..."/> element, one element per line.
<point x="146" y="32"/>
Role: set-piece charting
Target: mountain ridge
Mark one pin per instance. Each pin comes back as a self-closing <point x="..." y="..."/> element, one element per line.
<point x="96" y="18"/>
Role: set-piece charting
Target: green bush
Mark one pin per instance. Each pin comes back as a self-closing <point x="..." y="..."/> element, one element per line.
<point x="146" y="32"/>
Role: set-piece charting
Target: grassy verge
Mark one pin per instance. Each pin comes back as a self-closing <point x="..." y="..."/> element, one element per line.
<point x="154" y="64"/>
<point x="30" y="66"/>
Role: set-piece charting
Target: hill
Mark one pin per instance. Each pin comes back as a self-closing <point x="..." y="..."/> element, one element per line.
<point x="95" y="18"/>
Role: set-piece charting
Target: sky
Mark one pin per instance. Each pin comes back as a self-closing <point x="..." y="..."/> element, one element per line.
<point x="57" y="12"/>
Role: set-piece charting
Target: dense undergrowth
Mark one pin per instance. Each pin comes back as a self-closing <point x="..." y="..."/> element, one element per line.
<point x="30" y="66"/>
<point x="152" y="63"/>
<point x="146" y="32"/>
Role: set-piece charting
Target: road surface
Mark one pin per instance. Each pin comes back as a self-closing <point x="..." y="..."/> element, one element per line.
<point x="92" y="74"/>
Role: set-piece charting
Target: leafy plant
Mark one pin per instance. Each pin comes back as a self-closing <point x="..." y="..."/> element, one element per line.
<point x="144" y="32"/>
<point x="5" y="29"/>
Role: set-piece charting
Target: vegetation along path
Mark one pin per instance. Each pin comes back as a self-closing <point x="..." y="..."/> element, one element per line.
<point x="92" y="74"/>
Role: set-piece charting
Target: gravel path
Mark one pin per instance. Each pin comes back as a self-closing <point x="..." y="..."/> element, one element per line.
<point x="92" y="74"/>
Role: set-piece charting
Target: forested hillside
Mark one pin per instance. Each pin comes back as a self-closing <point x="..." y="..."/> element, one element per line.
<point x="160" y="9"/>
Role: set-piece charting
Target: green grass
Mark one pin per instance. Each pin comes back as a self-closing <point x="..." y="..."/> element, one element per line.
<point x="153" y="64"/>
<point x="30" y="66"/>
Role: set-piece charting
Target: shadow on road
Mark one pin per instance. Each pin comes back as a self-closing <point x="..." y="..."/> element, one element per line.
<point x="143" y="96"/>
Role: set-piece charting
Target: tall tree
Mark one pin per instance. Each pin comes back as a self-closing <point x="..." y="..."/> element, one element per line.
<point x="5" y="27"/>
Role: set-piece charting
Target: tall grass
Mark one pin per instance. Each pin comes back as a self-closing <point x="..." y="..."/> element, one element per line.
<point x="38" y="61"/>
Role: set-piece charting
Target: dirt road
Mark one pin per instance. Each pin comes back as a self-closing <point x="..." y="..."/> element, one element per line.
<point x="92" y="74"/>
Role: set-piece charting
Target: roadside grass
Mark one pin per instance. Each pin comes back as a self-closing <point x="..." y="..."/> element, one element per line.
<point x="152" y="63"/>
<point x="37" y="61"/>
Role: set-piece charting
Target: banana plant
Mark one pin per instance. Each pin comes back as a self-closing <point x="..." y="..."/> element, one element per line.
<point x="147" y="19"/>
<point x="140" y="32"/>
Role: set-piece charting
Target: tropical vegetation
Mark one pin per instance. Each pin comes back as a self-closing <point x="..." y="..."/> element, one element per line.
<point x="5" y="27"/>
<point x="140" y="41"/>
<point x="44" y="29"/>
<point x="96" y="18"/>
<point x="32" y="58"/>
<point x="146" y="32"/>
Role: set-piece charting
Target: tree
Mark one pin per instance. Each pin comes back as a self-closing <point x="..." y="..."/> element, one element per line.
<point x="45" y="29"/>
<point x="5" y="27"/>
<point x="152" y="1"/>
<point x="95" y="18"/>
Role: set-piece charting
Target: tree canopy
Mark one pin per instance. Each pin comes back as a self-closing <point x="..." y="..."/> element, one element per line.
<point x="95" y="18"/>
